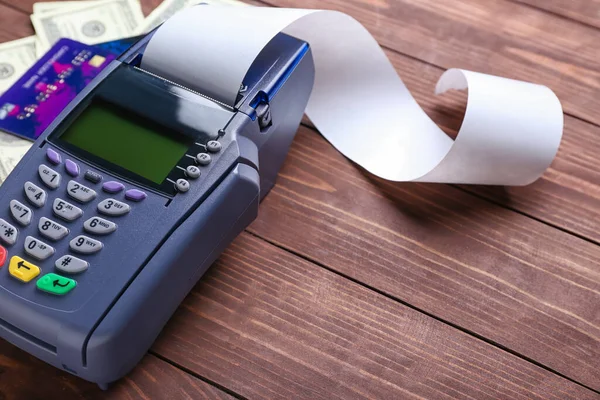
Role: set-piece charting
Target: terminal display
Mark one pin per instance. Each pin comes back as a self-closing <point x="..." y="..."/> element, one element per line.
<point x="127" y="140"/>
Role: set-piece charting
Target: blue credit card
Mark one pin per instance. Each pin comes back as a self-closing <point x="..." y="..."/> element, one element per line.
<point x="40" y="95"/>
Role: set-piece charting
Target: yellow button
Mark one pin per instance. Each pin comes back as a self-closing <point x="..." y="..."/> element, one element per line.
<point x="23" y="270"/>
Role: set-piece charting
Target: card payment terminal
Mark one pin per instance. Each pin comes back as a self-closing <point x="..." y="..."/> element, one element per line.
<point x="128" y="197"/>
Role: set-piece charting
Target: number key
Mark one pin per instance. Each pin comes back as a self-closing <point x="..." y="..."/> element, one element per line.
<point x="85" y="245"/>
<point x="35" y="194"/>
<point x="113" y="207"/>
<point x="80" y="193"/>
<point x="50" y="177"/>
<point x="37" y="249"/>
<point x="20" y="212"/>
<point x="99" y="226"/>
<point x="66" y="211"/>
<point x="51" y="229"/>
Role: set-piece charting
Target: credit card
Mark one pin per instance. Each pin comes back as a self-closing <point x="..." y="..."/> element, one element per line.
<point x="39" y="96"/>
<point x="120" y="46"/>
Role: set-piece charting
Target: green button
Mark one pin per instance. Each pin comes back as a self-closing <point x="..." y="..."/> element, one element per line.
<point x="56" y="284"/>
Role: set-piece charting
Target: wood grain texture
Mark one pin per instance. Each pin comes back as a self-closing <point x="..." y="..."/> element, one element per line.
<point x="518" y="282"/>
<point x="13" y="24"/>
<point x="23" y="377"/>
<point x="26" y="6"/>
<point x="585" y="11"/>
<point x="268" y="324"/>
<point x="276" y="326"/>
<point x="567" y="195"/>
<point x="492" y="36"/>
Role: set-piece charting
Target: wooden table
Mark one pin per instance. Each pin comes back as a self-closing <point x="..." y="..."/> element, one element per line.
<point x="348" y="286"/>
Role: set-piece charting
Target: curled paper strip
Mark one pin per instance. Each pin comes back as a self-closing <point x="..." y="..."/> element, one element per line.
<point x="509" y="136"/>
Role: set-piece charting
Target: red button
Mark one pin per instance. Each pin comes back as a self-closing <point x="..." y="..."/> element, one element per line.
<point x="2" y="256"/>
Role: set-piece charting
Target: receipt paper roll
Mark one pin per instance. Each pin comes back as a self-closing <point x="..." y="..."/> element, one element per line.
<point x="510" y="133"/>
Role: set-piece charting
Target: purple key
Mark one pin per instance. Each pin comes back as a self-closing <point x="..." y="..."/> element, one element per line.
<point x="112" y="187"/>
<point x="53" y="156"/>
<point x="72" y="168"/>
<point x="135" y="195"/>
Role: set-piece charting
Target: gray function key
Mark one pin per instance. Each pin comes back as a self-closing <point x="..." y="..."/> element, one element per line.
<point x="80" y="193"/>
<point x="66" y="211"/>
<point x="113" y="207"/>
<point x="35" y="194"/>
<point x="203" y="158"/>
<point x="8" y="233"/>
<point x="50" y="177"/>
<point x="99" y="226"/>
<point x="20" y="212"/>
<point x="85" y="245"/>
<point x="213" y="146"/>
<point x="192" y="172"/>
<point x="51" y="229"/>
<point x="71" y="265"/>
<point x="38" y="249"/>
<point x="182" y="185"/>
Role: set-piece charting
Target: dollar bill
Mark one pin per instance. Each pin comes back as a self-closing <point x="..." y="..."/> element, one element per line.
<point x="49" y="6"/>
<point x="90" y="23"/>
<point x="169" y="7"/>
<point x="15" y="59"/>
<point x="12" y="149"/>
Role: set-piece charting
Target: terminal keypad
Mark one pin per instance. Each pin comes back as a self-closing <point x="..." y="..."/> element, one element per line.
<point x="40" y="244"/>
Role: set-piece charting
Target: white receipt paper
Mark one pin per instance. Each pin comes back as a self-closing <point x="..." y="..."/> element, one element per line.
<point x="510" y="133"/>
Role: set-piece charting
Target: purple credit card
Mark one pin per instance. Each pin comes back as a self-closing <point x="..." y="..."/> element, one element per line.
<point x="35" y="100"/>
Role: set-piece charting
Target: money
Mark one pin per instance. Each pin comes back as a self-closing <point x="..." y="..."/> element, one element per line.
<point x="15" y="58"/>
<point x="169" y="7"/>
<point x="12" y="149"/>
<point x="90" y="23"/>
<point x="49" y="6"/>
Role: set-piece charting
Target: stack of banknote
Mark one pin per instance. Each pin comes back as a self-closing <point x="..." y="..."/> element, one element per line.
<point x="90" y="22"/>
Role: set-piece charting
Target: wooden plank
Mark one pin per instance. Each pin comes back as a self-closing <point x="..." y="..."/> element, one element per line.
<point x="442" y="113"/>
<point x="515" y="281"/>
<point x="26" y="6"/>
<point x="568" y="193"/>
<point x="25" y="377"/>
<point x="586" y="11"/>
<point x="13" y="24"/>
<point x="156" y="379"/>
<point x="494" y="36"/>
<point x="268" y="324"/>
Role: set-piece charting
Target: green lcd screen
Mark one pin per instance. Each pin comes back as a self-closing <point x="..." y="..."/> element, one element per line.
<point x="127" y="140"/>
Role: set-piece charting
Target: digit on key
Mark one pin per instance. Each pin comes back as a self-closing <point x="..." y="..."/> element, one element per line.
<point x="20" y="212"/>
<point x="50" y="177"/>
<point x="38" y="249"/>
<point x="80" y="193"/>
<point x="35" y="194"/>
<point x="51" y="229"/>
<point x="85" y="245"/>
<point x="113" y="207"/>
<point x="99" y="226"/>
<point x="66" y="211"/>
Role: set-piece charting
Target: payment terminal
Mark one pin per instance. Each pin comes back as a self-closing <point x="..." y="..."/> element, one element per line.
<point x="128" y="197"/>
